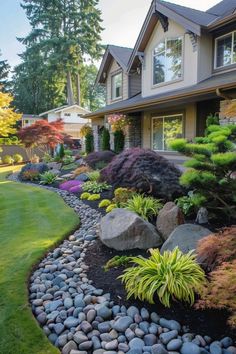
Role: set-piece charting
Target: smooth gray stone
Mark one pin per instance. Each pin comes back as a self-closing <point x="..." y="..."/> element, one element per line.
<point x="174" y="344"/>
<point x="188" y="348"/>
<point x="168" y="336"/>
<point x="122" y="323"/>
<point x="170" y="324"/>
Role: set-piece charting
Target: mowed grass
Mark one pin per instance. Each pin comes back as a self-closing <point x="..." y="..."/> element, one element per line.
<point x="32" y="220"/>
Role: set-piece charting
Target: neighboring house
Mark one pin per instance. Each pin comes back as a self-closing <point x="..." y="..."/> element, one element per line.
<point x="72" y="117"/>
<point x="28" y="119"/>
<point x="181" y="68"/>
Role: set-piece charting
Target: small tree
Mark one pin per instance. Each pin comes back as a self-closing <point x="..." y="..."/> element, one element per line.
<point x="106" y="140"/>
<point x="210" y="171"/>
<point x="118" y="124"/>
<point x="8" y="118"/>
<point x="43" y="135"/>
<point x="89" y="143"/>
<point x="119" y="141"/>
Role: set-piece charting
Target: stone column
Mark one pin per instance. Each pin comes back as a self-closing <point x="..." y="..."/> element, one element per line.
<point x="96" y="137"/>
<point x="225" y="120"/>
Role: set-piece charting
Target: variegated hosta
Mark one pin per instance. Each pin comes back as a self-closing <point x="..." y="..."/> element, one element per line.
<point x="173" y="275"/>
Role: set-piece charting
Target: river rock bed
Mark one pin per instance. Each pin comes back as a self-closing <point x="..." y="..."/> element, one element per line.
<point x="80" y="319"/>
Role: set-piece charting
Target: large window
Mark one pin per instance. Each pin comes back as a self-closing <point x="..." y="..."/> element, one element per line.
<point x="165" y="129"/>
<point x="167" y="61"/>
<point x="116" y="86"/>
<point x="225" y="50"/>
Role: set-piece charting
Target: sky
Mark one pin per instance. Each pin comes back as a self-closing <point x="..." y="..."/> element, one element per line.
<point x="122" y="21"/>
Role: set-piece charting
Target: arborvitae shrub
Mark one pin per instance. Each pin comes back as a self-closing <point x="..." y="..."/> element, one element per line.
<point x="106" y="140"/>
<point x="146" y="172"/>
<point x="119" y="141"/>
<point x="89" y="143"/>
<point x="61" y="152"/>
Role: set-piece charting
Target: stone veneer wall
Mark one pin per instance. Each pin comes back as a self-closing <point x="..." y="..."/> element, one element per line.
<point x="133" y="133"/>
<point x="224" y="120"/>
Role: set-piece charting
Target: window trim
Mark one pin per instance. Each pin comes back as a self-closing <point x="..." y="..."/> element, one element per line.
<point x="112" y="76"/>
<point x="164" y="83"/>
<point x="233" y="33"/>
<point x="166" y="116"/>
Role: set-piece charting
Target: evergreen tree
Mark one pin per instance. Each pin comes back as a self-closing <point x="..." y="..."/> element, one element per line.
<point x="66" y="31"/>
<point x="4" y="72"/>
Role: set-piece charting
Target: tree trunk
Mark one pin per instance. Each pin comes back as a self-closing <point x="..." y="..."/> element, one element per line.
<point x="78" y="89"/>
<point x="70" y="96"/>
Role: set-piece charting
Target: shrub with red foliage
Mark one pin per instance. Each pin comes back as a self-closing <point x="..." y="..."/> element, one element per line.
<point x="94" y="159"/>
<point x="217" y="253"/>
<point x="145" y="171"/>
<point x="215" y="249"/>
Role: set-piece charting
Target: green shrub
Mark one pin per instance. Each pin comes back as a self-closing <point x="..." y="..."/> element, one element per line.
<point x="106" y="139"/>
<point x="7" y="159"/>
<point x="47" y="177"/>
<point x="95" y="187"/>
<point x="94" y="197"/>
<point x="212" y="119"/>
<point x="93" y="176"/>
<point x="85" y="196"/>
<point x="61" y="152"/>
<point x="122" y="195"/>
<point x="117" y="261"/>
<point x="173" y="275"/>
<point x="119" y="141"/>
<point x="145" y="207"/>
<point x="67" y="152"/>
<point x="104" y="203"/>
<point x="47" y="158"/>
<point x="89" y="143"/>
<point x="190" y="203"/>
<point x="67" y="160"/>
<point x="17" y="158"/>
<point x="111" y="207"/>
<point x="211" y="168"/>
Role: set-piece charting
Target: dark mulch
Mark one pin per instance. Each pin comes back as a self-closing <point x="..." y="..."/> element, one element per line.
<point x="207" y="322"/>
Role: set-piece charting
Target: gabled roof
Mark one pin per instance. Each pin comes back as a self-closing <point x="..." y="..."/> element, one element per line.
<point x="121" y="56"/>
<point x="191" y="19"/>
<point x="64" y="108"/>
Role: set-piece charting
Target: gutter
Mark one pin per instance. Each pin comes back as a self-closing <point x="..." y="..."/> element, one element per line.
<point x="155" y="101"/>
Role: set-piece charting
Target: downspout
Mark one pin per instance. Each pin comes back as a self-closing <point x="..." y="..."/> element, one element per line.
<point x="223" y="95"/>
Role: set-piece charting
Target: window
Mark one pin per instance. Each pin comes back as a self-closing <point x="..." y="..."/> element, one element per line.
<point x="167" y="61"/>
<point x="165" y="129"/>
<point x="67" y="114"/>
<point x="116" y="86"/>
<point x="225" y="50"/>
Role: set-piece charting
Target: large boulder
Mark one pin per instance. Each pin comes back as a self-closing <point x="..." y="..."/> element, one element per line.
<point x="169" y="217"/>
<point x="124" y="230"/>
<point x="185" y="237"/>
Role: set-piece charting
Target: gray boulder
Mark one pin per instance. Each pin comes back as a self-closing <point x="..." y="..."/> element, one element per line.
<point x="185" y="237"/>
<point x="54" y="165"/>
<point x="82" y="177"/>
<point x="124" y="230"/>
<point x="169" y="217"/>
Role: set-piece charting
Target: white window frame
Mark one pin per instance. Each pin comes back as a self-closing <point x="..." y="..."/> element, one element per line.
<point x="233" y="33"/>
<point x="112" y="81"/>
<point x="163" y="117"/>
<point x="182" y="62"/>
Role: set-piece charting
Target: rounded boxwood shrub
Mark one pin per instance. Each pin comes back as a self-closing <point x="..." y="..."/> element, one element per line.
<point x="98" y="157"/>
<point x="145" y="171"/>
<point x="17" y="158"/>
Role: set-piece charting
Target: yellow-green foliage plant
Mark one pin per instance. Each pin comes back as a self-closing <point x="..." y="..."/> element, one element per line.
<point x="85" y="196"/>
<point x="104" y="203"/>
<point x="172" y="276"/>
<point x="94" y="197"/>
<point x="111" y="207"/>
<point x="93" y="176"/>
<point x="121" y="195"/>
<point x="145" y="207"/>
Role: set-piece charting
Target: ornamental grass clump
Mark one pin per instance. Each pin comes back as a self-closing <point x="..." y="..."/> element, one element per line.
<point x="145" y="207"/>
<point x="171" y="276"/>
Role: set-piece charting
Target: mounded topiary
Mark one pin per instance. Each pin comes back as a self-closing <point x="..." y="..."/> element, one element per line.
<point x="95" y="158"/>
<point x="145" y="171"/>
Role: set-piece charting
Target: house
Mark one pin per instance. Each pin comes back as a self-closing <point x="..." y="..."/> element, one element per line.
<point x="28" y="119"/>
<point x="72" y="115"/>
<point x="182" y="68"/>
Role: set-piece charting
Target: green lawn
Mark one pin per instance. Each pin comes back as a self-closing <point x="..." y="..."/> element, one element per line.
<point x="31" y="221"/>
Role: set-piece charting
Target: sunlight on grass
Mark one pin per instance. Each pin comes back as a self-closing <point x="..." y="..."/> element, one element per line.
<point x="32" y="220"/>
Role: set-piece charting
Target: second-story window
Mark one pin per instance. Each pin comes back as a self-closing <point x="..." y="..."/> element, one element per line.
<point x="67" y="114"/>
<point x="225" y="50"/>
<point x="116" y="86"/>
<point x="167" y="61"/>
